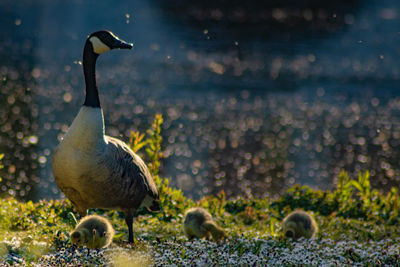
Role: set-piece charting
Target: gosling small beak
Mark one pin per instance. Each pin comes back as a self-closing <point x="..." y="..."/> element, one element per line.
<point x="121" y="44"/>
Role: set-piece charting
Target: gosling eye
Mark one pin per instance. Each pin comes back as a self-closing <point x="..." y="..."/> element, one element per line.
<point x="79" y="240"/>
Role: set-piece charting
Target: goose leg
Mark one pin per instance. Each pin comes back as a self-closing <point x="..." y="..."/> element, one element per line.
<point x="129" y="222"/>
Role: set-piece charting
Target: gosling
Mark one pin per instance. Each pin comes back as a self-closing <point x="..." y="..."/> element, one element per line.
<point x="199" y="223"/>
<point x="299" y="224"/>
<point x="94" y="232"/>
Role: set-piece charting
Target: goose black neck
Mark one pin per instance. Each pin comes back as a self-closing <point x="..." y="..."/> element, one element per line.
<point x="89" y="70"/>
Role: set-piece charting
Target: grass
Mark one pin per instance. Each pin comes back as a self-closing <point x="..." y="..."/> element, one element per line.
<point x="358" y="225"/>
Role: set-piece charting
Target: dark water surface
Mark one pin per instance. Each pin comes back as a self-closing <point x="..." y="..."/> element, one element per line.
<point x="255" y="97"/>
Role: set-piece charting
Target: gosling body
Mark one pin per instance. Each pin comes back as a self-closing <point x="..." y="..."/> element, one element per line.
<point x="94" y="232"/>
<point x="299" y="224"/>
<point x="94" y="170"/>
<point x="198" y="223"/>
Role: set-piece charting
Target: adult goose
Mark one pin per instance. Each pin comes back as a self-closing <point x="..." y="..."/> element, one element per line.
<point x="92" y="169"/>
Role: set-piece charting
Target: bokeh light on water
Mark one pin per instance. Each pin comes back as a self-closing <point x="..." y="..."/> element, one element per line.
<point x="254" y="98"/>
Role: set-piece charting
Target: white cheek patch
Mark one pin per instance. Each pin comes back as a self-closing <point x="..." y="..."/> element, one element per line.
<point x="98" y="46"/>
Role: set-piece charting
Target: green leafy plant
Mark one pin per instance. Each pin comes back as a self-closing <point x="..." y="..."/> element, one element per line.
<point x="136" y="141"/>
<point x="172" y="200"/>
<point x="344" y="190"/>
<point x="363" y="186"/>
<point x="153" y="148"/>
<point x="1" y="165"/>
<point x="151" y="144"/>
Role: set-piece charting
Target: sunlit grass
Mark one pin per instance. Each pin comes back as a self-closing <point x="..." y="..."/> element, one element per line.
<point x="31" y="230"/>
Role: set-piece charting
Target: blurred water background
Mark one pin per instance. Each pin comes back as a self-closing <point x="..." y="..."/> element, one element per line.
<point x="255" y="96"/>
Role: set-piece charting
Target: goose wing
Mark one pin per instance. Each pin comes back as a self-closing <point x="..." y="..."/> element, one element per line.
<point x="129" y="170"/>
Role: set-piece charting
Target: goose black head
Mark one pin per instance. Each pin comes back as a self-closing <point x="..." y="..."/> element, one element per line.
<point x="103" y="41"/>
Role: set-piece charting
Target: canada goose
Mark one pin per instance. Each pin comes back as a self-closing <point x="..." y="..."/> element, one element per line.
<point x="95" y="170"/>
<point x="299" y="224"/>
<point x="199" y="223"/>
<point x="93" y="232"/>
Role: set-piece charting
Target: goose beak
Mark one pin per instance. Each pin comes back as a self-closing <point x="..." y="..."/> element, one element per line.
<point x="121" y="44"/>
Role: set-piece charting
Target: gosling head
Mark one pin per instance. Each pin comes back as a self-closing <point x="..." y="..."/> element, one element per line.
<point x="103" y="41"/>
<point x="219" y="234"/>
<point x="79" y="238"/>
<point x="290" y="233"/>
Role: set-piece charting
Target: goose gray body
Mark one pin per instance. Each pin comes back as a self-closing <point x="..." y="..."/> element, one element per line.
<point x="94" y="170"/>
<point x="106" y="174"/>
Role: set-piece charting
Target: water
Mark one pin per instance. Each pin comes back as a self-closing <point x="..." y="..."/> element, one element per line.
<point x="254" y="98"/>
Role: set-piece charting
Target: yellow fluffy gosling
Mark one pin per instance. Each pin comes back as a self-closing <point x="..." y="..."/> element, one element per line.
<point x="299" y="224"/>
<point x="93" y="232"/>
<point x="199" y="223"/>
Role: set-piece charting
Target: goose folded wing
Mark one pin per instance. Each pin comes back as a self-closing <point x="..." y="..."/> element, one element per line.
<point x="130" y="170"/>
